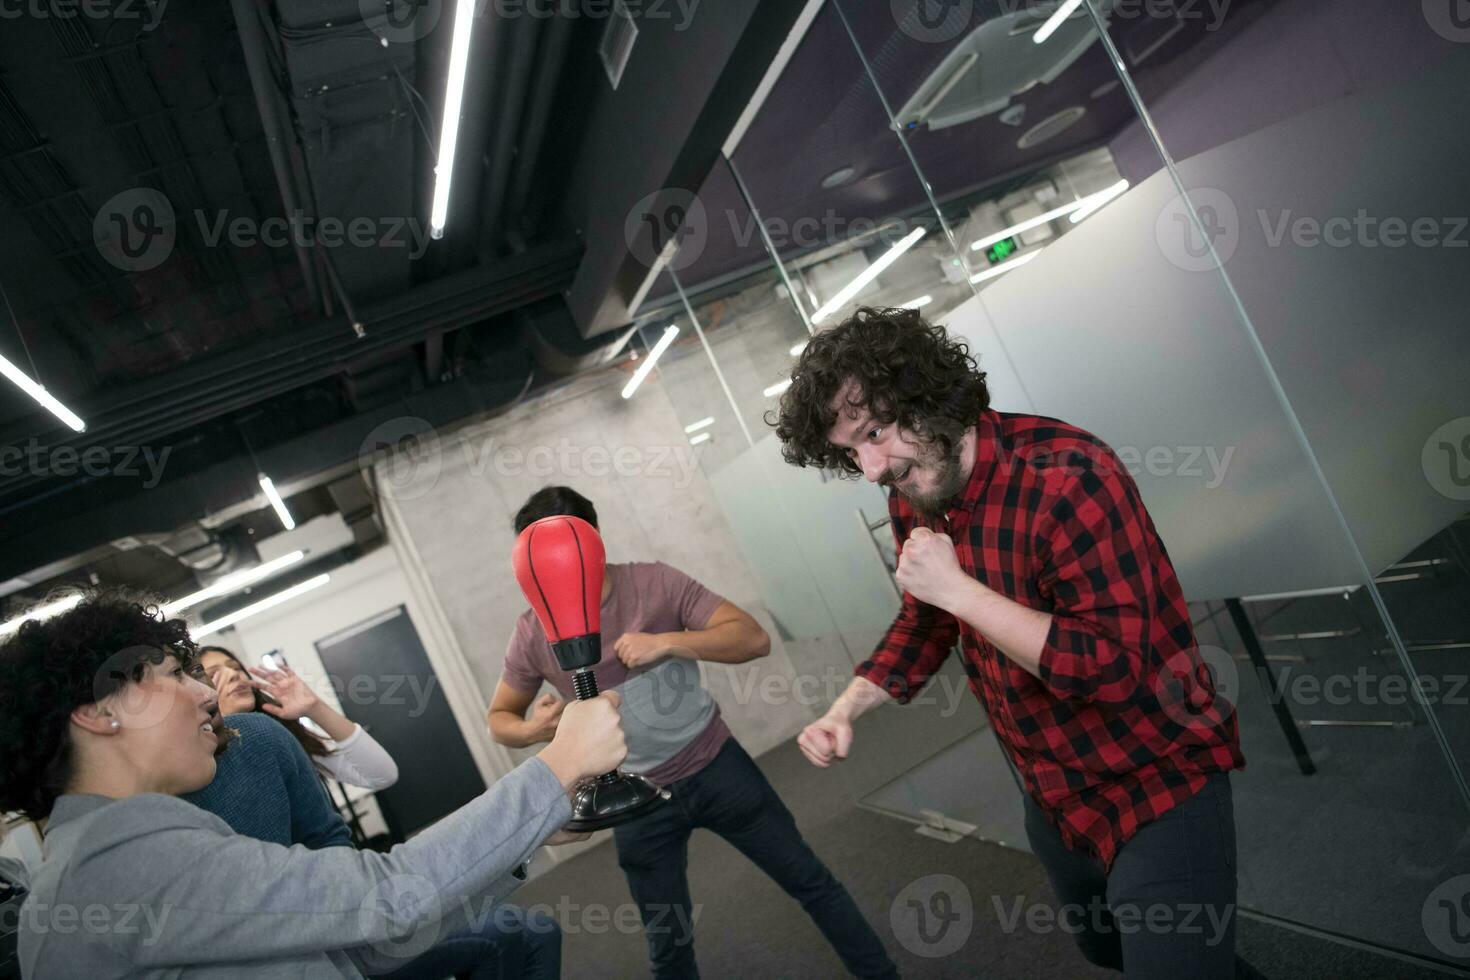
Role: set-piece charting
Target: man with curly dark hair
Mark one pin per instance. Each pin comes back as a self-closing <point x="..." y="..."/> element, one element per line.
<point x="1025" y="539"/>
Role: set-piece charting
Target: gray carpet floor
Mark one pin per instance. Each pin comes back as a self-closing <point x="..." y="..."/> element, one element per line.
<point x="747" y="927"/>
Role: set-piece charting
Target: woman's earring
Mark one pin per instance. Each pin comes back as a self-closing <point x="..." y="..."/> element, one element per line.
<point x="115" y="724"/>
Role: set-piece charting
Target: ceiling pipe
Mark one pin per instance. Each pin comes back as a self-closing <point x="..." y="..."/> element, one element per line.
<point x="507" y="133"/>
<point x="550" y="59"/>
<point x="253" y="42"/>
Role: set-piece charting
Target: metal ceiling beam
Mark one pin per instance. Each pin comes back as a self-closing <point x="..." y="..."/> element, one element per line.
<point x="150" y="414"/>
<point x="277" y="129"/>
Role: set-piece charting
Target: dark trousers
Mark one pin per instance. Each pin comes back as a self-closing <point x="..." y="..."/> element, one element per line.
<point x="731" y="797"/>
<point x="1167" y="909"/>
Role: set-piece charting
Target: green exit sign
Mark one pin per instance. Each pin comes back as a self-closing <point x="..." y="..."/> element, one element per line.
<point x="1001" y="250"/>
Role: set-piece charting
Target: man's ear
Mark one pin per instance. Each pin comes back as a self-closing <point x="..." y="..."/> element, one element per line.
<point x="95" y="718"/>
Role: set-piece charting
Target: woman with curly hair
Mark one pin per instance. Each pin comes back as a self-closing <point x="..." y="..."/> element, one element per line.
<point x="350" y="755"/>
<point x="104" y="723"/>
<point x="1025" y="539"/>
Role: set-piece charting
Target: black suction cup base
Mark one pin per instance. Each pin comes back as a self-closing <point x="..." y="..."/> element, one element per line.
<point x="602" y="803"/>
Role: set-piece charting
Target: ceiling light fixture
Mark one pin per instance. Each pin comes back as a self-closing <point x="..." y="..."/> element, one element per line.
<point x="233" y="583"/>
<point x="703" y="423"/>
<point x="1089" y="203"/>
<point x="1093" y="202"/>
<point x="459" y="61"/>
<point x="41" y="612"/>
<point x="1027" y="225"/>
<point x="670" y="332"/>
<point x="869" y="274"/>
<point x="702" y="437"/>
<point x="274" y="497"/>
<point x="1067" y="9"/>
<point x="48" y="401"/>
<point x="918" y="302"/>
<point x="777" y="388"/>
<point x="258" y="607"/>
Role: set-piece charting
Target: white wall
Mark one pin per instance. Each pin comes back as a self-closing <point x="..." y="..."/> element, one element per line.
<point x="357" y="591"/>
<point x="450" y="514"/>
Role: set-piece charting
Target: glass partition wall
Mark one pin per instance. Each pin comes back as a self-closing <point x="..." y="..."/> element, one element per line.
<point x="1147" y="220"/>
<point x="1322" y="176"/>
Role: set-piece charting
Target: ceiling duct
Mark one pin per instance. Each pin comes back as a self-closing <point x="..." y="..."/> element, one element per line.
<point x="209" y="553"/>
<point x="998" y="61"/>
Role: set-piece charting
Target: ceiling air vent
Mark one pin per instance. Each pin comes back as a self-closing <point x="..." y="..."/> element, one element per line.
<point x="616" y="45"/>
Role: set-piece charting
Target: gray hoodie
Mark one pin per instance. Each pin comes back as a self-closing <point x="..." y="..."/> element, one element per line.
<point x="152" y="886"/>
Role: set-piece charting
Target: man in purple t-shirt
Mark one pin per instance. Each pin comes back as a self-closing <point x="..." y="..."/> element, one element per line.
<point x="657" y="624"/>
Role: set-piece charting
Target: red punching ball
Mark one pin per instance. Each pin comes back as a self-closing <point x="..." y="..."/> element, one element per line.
<point x="559" y="563"/>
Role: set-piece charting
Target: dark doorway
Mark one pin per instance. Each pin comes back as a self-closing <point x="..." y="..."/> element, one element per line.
<point x="385" y="683"/>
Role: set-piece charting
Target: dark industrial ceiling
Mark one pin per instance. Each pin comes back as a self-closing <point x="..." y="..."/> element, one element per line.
<point x="240" y="353"/>
<point x="238" y="345"/>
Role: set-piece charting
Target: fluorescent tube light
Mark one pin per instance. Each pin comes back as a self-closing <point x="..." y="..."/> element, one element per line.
<point x="233" y="582"/>
<point x="1067" y="9"/>
<point x="917" y="302"/>
<point x="1027" y="225"/>
<point x="1004" y="267"/>
<point x="869" y="274"/>
<point x="703" y="423"/>
<point x="777" y="388"/>
<point x="1087" y="205"/>
<point x="702" y="437"/>
<point x="459" y="61"/>
<point x="670" y="332"/>
<point x="274" y="497"/>
<point x="1093" y="202"/>
<point x="48" y="401"/>
<point x="44" y="611"/>
<point x="261" y="606"/>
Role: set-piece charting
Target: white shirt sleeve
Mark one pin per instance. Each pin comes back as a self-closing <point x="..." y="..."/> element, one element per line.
<point x="358" y="760"/>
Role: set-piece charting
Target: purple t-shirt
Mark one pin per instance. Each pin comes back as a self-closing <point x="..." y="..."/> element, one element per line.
<point x="672" y="724"/>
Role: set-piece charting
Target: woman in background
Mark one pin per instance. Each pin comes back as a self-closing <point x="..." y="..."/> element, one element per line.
<point x="350" y="755"/>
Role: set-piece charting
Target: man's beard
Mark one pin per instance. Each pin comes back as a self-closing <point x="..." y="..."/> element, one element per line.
<point x="950" y="479"/>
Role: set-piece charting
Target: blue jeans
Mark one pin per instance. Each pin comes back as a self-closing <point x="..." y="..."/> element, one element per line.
<point x="731" y="797"/>
<point x="511" y="944"/>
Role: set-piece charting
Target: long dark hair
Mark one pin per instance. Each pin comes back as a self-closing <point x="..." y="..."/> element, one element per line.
<point x="313" y="745"/>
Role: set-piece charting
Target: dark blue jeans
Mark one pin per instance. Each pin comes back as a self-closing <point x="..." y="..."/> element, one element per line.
<point x="731" y="797"/>
<point x="1167" y="909"/>
<point x="510" y="944"/>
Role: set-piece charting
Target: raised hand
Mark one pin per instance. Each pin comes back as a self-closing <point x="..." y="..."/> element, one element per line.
<point x="545" y="716"/>
<point x="295" y="696"/>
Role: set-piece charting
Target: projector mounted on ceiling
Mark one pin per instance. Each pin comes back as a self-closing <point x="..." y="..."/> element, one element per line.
<point x="998" y="61"/>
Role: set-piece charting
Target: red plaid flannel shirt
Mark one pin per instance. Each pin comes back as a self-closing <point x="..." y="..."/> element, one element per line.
<point x="1124" y="722"/>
